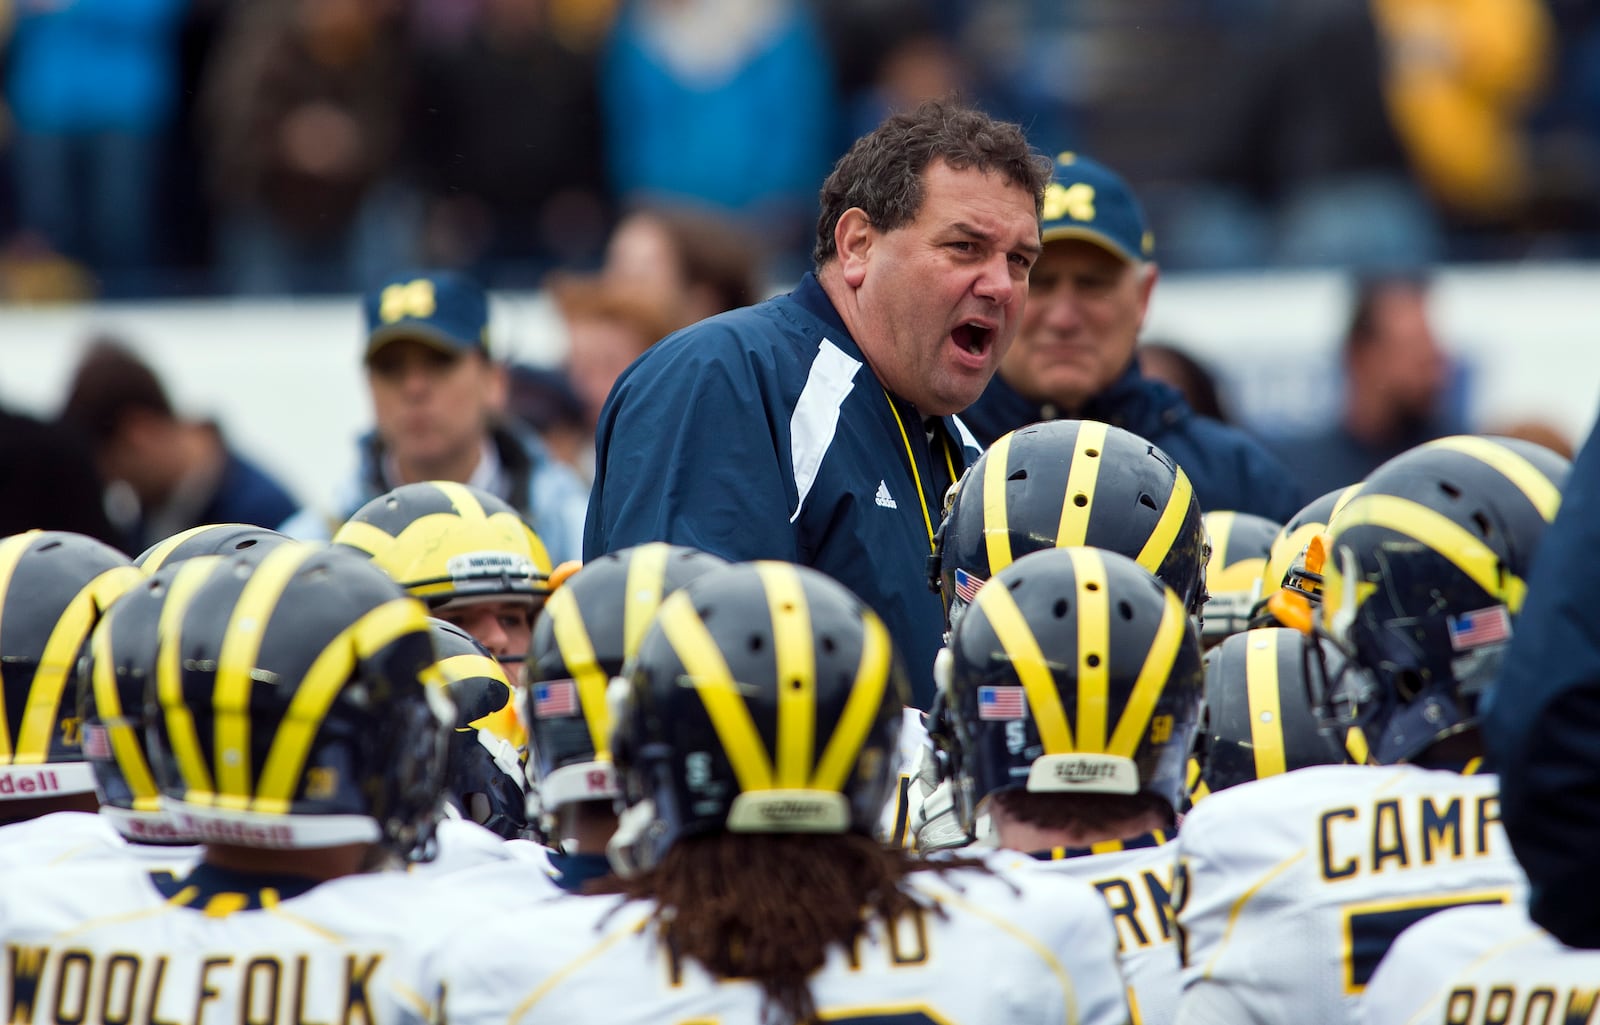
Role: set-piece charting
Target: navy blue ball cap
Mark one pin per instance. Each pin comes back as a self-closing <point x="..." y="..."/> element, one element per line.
<point x="444" y="309"/>
<point x="1087" y="200"/>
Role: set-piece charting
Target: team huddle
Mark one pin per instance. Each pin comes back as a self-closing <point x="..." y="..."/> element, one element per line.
<point x="252" y="779"/>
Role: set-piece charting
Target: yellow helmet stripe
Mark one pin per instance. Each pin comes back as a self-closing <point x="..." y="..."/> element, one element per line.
<point x="1339" y="503"/>
<point x="1541" y="491"/>
<point x="797" y="672"/>
<point x="1027" y="660"/>
<point x="707" y="671"/>
<point x="996" y="531"/>
<point x="1082" y="477"/>
<point x="126" y="746"/>
<point x="647" y="579"/>
<point x="1160" y="541"/>
<point x="1219" y="528"/>
<point x="467" y="666"/>
<point x="291" y="744"/>
<point x="158" y="555"/>
<point x="1152" y="677"/>
<point x="843" y="749"/>
<point x="1094" y="648"/>
<point x="1451" y="540"/>
<point x="365" y="536"/>
<point x="236" y="662"/>
<point x="56" y="664"/>
<point x="577" y="654"/>
<point x="465" y="502"/>
<point x="1264" y="704"/>
<point x="181" y="733"/>
<point x="11" y="552"/>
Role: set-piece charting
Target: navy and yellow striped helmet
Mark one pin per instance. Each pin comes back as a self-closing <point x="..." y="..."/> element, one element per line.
<point x="297" y="704"/>
<point x="591" y="626"/>
<point x="1077" y="672"/>
<point x="766" y="698"/>
<point x="1425" y="575"/>
<point x="1240" y="543"/>
<point x="54" y="587"/>
<point x="1065" y="483"/>
<point x="208" y="539"/>
<point x="1257" y="720"/>
<point x="1286" y="568"/>
<point x="483" y="772"/>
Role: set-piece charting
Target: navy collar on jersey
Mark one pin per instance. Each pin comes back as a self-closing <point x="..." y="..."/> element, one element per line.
<point x="1154" y="838"/>
<point x="222" y="891"/>
<point x="578" y="869"/>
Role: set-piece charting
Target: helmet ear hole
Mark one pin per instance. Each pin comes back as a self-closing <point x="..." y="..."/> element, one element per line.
<point x="1408" y="684"/>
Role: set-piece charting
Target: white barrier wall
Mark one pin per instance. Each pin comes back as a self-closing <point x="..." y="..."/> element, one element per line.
<point x="284" y="378"/>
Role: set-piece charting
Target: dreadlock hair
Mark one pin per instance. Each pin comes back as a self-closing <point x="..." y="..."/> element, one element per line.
<point x="768" y="906"/>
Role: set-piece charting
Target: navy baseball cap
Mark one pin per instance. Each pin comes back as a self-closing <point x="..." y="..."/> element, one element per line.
<point x="1088" y="200"/>
<point x="444" y="309"/>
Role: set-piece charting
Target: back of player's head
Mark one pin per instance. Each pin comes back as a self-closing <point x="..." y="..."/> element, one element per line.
<point x="590" y="627"/>
<point x="208" y="539"/>
<point x="293" y="706"/>
<point x="1257" y="720"/>
<point x="1240" y="543"/>
<point x="54" y="587"/>
<point x="1065" y="483"/>
<point x="483" y="773"/>
<point x="765" y="699"/>
<point x="1426" y="572"/>
<point x="1074" y="672"/>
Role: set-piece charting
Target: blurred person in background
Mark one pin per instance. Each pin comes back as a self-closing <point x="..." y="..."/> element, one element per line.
<point x="91" y="86"/>
<point x="608" y="327"/>
<point x="690" y="261"/>
<point x="543" y="398"/>
<point x="180" y="473"/>
<point x="1396" y="375"/>
<point x="49" y="480"/>
<point x="303" y="112"/>
<point x="1160" y="361"/>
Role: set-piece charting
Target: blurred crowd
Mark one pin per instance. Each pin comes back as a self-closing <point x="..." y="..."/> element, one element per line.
<point x="194" y="147"/>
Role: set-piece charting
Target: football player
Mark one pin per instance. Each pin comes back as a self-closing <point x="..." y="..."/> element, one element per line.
<point x="1240" y="545"/>
<point x="1286" y="560"/>
<point x="755" y="748"/>
<point x="1292" y="888"/>
<point x="1072" y="699"/>
<point x="209" y="539"/>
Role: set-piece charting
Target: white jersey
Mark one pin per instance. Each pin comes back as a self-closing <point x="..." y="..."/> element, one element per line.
<point x="1135" y="878"/>
<point x="1016" y="949"/>
<point x="894" y="827"/>
<point x="1291" y="888"/>
<point x="463" y="844"/>
<point x="67" y="836"/>
<point x="1482" y="965"/>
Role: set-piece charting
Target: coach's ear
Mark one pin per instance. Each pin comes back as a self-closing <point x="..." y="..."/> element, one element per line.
<point x="853" y="237"/>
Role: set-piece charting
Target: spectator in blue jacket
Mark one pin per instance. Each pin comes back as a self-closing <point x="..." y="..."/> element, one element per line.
<point x="1074" y="356"/>
<point x="817" y="427"/>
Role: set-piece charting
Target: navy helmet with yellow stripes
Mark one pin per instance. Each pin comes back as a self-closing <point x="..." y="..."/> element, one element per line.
<point x="765" y="698"/>
<point x="1076" y="672"/>
<point x="54" y="587"/>
<point x="1064" y="483"/>
<point x="208" y="539"/>
<point x="1425" y="574"/>
<point x="483" y="771"/>
<point x="1286" y="567"/>
<point x="1257" y="720"/>
<point x="1240" y="544"/>
<point x="590" y="627"/>
<point x="112" y="683"/>
<point x="297" y="704"/>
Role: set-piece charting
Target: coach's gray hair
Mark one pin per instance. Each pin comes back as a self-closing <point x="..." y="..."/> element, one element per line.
<point x="883" y="172"/>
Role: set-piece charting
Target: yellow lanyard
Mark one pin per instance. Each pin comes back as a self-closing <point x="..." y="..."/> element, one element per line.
<point x="922" y="496"/>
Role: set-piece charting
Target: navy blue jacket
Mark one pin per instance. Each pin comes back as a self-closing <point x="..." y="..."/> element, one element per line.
<point x="1228" y="468"/>
<point x="1542" y="722"/>
<point x="763" y="434"/>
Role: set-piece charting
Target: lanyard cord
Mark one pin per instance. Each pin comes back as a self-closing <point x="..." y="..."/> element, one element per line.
<point x="916" y="476"/>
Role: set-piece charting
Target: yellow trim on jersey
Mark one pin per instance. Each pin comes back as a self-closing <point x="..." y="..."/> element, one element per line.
<point x="1264" y="706"/>
<point x="1028" y="662"/>
<point x="1438" y="902"/>
<point x="795" y="654"/>
<point x="996" y="530"/>
<point x="1155" y="549"/>
<point x="236" y="661"/>
<point x="11" y="552"/>
<point x="1082" y="476"/>
<point x="578" y="655"/>
<point x="365" y="536"/>
<point x="181" y="733"/>
<point x="222" y="905"/>
<point x="556" y="977"/>
<point x="1473" y="767"/>
<point x="1541" y="492"/>
<point x="1152" y="679"/>
<point x="1069" y="993"/>
<point x="708" y="673"/>
<point x="647" y="578"/>
<point x="1452" y="541"/>
<point x="319" y="688"/>
<point x="843" y="750"/>
<point x="127" y="746"/>
<point x="1094" y="647"/>
<point x="856" y="1012"/>
<point x="1238" y="907"/>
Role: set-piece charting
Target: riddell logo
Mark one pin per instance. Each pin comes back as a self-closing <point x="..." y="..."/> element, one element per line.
<point x="1084" y="772"/>
<point x="598" y="780"/>
<point x="217" y="831"/>
<point x="42" y="781"/>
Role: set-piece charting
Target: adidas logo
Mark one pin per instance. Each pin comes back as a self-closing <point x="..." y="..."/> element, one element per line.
<point x="884" y="498"/>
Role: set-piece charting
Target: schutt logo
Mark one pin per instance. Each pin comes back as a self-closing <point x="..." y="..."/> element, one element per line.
<point x="1084" y="772"/>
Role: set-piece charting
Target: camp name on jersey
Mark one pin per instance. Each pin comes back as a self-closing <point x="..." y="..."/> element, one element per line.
<point x="1405" y="832"/>
<point x="70" y="984"/>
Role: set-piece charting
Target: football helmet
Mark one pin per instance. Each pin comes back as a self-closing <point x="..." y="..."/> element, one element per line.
<point x="1286" y="567"/>
<point x="112" y="681"/>
<point x="208" y="539"/>
<point x="591" y="626"/>
<point x="1240" y="545"/>
<point x="1257" y="720"/>
<point x="296" y="703"/>
<point x="765" y="698"/>
<point x="1063" y="483"/>
<point x="483" y="772"/>
<point x="54" y="587"/>
<point x="1426" y="573"/>
<point x="1078" y="672"/>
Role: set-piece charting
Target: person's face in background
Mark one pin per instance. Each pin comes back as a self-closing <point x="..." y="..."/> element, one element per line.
<point x="432" y="407"/>
<point x="1402" y="358"/>
<point x="642" y="257"/>
<point x="504" y="626"/>
<point x="601" y="348"/>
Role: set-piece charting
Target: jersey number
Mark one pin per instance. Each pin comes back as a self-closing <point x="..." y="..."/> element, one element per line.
<point x="1371" y="929"/>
